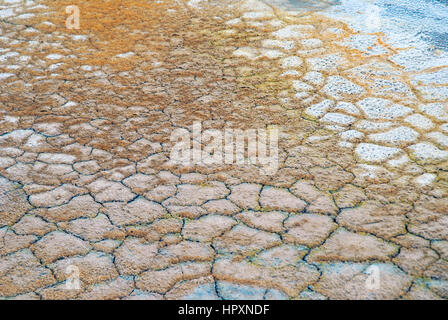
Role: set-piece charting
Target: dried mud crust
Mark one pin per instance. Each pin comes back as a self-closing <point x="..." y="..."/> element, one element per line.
<point x="85" y="141"/>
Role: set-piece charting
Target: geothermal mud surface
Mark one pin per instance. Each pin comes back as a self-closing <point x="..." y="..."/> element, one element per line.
<point x="86" y="178"/>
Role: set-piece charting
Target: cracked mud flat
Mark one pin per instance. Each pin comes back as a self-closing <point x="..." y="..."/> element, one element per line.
<point x="86" y="181"/>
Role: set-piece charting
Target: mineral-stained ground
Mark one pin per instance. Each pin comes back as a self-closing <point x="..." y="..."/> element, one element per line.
<point x="86" y="180"/>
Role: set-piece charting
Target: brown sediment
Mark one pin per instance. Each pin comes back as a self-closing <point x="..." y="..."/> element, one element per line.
<point x="114" y="206"/>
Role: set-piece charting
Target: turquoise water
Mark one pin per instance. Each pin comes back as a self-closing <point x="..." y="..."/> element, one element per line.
<point x="424" y="19"/>
<point x="428" y="17"/>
